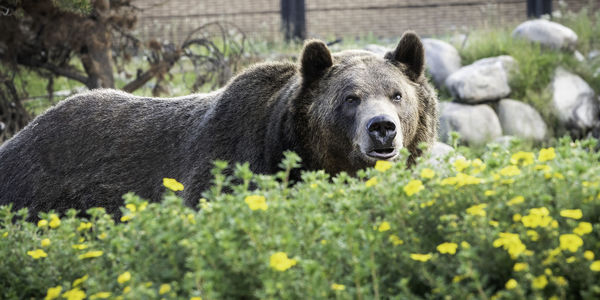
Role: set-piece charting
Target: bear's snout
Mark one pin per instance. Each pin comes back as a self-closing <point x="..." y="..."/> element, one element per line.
<point x="382" y="132"/>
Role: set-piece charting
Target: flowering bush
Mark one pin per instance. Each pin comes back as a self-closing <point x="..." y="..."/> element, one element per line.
<point x="506" y="225"/>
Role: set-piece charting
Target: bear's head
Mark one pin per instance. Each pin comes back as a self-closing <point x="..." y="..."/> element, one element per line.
<point x="355" y="107"/>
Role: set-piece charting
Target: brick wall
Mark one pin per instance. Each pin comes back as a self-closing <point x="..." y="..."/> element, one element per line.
<point x="172" y="19"/>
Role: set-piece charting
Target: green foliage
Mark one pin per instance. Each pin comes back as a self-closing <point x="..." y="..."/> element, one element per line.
<point x="388" y="232"/>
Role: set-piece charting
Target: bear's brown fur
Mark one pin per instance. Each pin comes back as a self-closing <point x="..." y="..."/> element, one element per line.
<point x="339" y="112"/>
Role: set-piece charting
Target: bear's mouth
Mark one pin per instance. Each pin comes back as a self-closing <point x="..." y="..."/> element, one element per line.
<point x="383" y="153"/>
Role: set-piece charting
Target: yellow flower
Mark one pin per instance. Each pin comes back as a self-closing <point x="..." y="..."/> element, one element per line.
<point x="131" y="207"/>
<point x="595" y="266"/>
<point x="314" y="185"/>
<point x="164" y="288"/>
<point x="395" y="240"/>
<point x="548" y="272"/>
<point x="127" y="289"/>
<point x="546" y="154"/>
<point x="517" y="217"/>
<point x="53" y="292"/>
<point x="511" y="284"/>
<point x="427" y="173"/>
<point x="533" y="235"/>
<point x="102" y="235"/>
<point x="172" y="184"/>
<point x="280" y="261"/>
<point x="338" y="287"/>
<point x="489" y="193"/>
<point x="84" y="226"/>
<point x="100" y="295"/>
<point x="42" y="223"/>
<point x="463" y="179"/>
<point x="91" y="254"/>
<point x="420" y="257"/>
<point x="570" y="242"/>
<point x="37" y="253"/>
<point x="449" y="248"/>
<point x="510" y="171"/>
<point x="79" y="281"/>
<point x="126" y="218"/>
<point x="571" y="213"/>
<point x="196" y="298"/>
<point x="256" y="202"/>
<point x="477" y="210"/>
<point x="493" y="223"/>
<point x="522" y="158"/>
<point x="384" y="226"/>
<point x="589" y="255"/>
<point x="383" y="165"/>
<point x="54" y="221"/>
<point x="518" y="267"/>
<point x="561" y="281"/>
<point x="449" y="181"/>
<point x="413" y="187"/>
<point x="571" y="259"/>
<point x="516" y="200"/>
<point x="478" y="166"/>
<point x="371" y="182"/>
<point x="460" y="164"/>
<point x="539" y="282"/>
<point x="124" y="277"/>
<point x="74" y="294"/>
<point x="45" y="242"/>
<point x="511" y="243"/>
<point x="465" y="244"/>
<point x="583" y="228"/>
<point x="537" y="217"/>
<point x="80" y="246"/>
<point x="544" y="168"/>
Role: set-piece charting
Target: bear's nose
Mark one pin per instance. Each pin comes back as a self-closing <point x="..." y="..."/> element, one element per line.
<point x="382" y="131"/>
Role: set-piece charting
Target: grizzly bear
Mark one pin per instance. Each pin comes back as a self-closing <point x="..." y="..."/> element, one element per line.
<point x="338" y="112"/>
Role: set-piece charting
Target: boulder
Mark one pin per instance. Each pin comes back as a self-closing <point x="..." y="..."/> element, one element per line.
<point x="438" y="154"/>
<point x="573" y="101"/>
<point x="521" y="120"/>
<point x="547" y="33"/>
<point x="479" y="82"/>
<point x="476" y="124"/>
<point x="441" y="58"/>
<point x="509" y="64"/>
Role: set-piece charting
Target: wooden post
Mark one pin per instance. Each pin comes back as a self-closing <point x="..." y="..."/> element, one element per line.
<point x="537" y="8"/>
<point x="293" y="19"/>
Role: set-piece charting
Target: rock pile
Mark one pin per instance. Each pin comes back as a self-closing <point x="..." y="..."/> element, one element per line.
<point x="482" y="111"/>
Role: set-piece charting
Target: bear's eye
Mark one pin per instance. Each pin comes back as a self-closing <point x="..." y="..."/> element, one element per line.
<point x="352" y="99"/>
<point x="397" y="97"/>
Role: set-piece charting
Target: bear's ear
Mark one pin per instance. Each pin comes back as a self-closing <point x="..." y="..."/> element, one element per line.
<point x="315" y="60"/>
<point x="411" y="53"/>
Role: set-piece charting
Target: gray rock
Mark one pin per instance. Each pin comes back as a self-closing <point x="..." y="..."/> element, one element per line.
<point x="479" y="82"/>
<point x="377" y="49"/>
<point x="574" y="101"/>
<point x="578" y="56"/>
<point x="521" y="120"/>
<point x="509" y="64"/>
<point x="547" y="33"/>
<point x="476" y="124"/>
<point x="593" y="54"/>
<point x="441" y="58"/>
<point x="439" y="152"/>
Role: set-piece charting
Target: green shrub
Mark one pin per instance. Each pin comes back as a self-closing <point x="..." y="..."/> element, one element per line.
<point x="508" y="225"/>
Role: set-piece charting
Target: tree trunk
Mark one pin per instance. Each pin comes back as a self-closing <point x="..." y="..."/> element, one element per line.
<point x="96" y="54"/>
<point x="13" y="115"/>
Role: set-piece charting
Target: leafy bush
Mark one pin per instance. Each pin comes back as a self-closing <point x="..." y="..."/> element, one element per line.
<point x="508" y="225"/>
